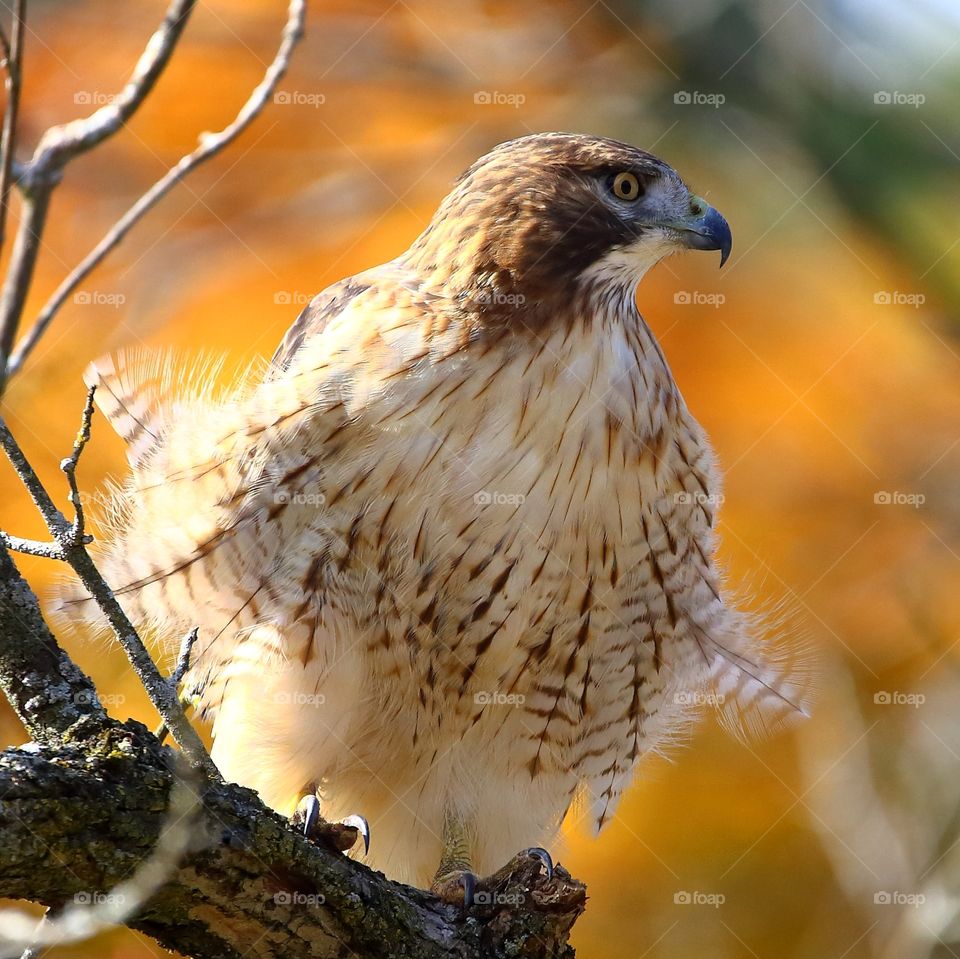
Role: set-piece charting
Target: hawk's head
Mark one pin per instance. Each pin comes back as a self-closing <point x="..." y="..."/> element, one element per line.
<point x="536" y="217"/>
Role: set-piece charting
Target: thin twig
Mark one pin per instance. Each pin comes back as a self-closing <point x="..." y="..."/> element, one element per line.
<point x="12" y="60"/>
<point x="176" y="677"/>
<point x="183" y="659"/>
<point x="210" y="144"/>
<point x="74" y="552"/>
<point x="60" y="144"/>
<point x="32" y="547"/>
<point x="69" y="467"/>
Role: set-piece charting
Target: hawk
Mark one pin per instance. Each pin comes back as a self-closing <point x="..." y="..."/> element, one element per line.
<point x="452" y="551"/>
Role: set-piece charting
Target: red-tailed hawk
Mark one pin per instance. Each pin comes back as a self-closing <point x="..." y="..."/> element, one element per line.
<point x="452" y="553"/>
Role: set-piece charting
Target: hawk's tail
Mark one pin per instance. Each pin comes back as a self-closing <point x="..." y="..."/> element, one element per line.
<point x="158" y="532"/>
<point x="762" y="674"/>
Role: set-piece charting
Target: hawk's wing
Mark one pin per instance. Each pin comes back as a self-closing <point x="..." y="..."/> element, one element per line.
<point x="313" y="320"/>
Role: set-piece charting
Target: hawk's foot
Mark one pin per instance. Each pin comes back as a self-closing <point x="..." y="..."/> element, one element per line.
<point x="341" y="836"/>
<point x="456" y="887"/>
<point x="505" y="887"/>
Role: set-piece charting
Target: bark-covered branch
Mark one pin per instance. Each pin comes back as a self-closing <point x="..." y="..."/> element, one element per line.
<point x="76" y="820"/>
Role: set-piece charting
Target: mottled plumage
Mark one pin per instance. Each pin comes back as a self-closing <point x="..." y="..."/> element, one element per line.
<point x="452" y="553"/>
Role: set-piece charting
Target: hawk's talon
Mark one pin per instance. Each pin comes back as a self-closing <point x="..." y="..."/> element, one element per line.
<point x="457" y="887"/>
<point x="361" y="825"/>
<point x="309" y="810"/>
<point x="469" y="882"/>
<point x="342" y="836"/>
<point x="538" y="852"/>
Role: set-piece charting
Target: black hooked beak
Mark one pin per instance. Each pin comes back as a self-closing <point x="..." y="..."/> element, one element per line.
<point x="704" y="229"/>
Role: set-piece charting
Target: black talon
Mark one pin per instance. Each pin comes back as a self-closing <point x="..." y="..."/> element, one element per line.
<point x="311" y="814"/>
<point x="538" y="852"/>
<point x="469" y="882"/>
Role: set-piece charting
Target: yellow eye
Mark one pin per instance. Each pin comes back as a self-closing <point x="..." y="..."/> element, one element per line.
<point x="626" y="186"/>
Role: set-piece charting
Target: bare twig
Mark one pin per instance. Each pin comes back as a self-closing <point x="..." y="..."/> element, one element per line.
<point x="12" y="60"/>
<point x="210" y="144"/>
<point x="60" y="144"/>
<point x="69" y="467"/>
<point x="183" y="658"/>
<point x="70" y="547"/>
<point x="176" y="677"/>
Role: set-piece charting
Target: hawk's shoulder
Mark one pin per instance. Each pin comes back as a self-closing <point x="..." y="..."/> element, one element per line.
<point x="315" y="317"/>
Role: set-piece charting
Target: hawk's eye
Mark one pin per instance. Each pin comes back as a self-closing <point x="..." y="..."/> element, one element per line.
<point x="626" y="186"/>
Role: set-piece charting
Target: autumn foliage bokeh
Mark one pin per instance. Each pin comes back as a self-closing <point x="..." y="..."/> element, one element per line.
<point x="824" y="361"/>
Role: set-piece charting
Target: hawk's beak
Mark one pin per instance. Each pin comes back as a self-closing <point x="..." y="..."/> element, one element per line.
<point x="704" y="229"/>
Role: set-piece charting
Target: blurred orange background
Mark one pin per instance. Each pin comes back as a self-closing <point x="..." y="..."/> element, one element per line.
<point x="824" y="361"/>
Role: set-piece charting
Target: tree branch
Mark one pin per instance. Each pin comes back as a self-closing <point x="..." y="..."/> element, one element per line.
<point x="251" y="886"/>
<point x="60" y="144"/>
<point x="55" y="701"/>
<point x="12" y="65"/>
<point x="210" y="144"/>
<point x="69" y="545"/>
